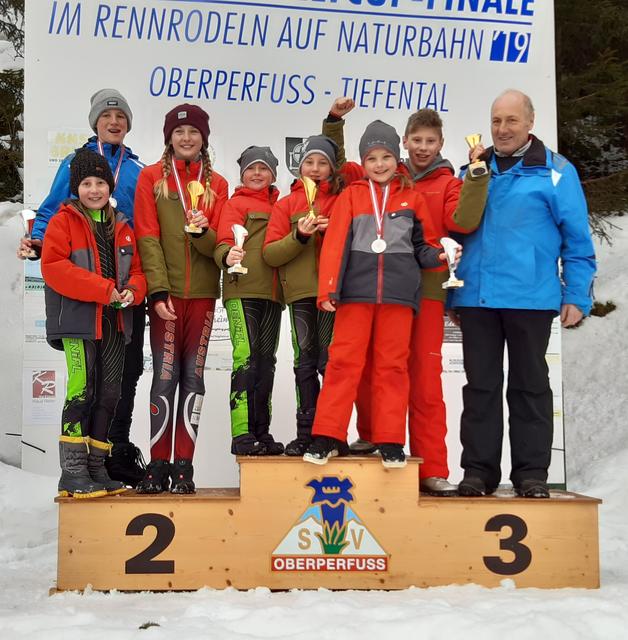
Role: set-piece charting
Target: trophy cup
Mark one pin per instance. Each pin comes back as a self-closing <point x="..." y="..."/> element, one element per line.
<point x="477" y="168"/>
<point x="28" y="215"/>
<point x="239" y="235"/>
<point x="450" y="247"/>
<point x="310" y="194"/>
<point x="196" y="190"/>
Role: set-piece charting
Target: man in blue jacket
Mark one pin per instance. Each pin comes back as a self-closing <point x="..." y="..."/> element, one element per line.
<point x="111" y="118"/>
<point x="531" y="259"/>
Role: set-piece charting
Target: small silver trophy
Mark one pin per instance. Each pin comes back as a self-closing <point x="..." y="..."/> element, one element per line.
<point x="27" y="216"/>
<point x="450" y="246"/>
<point x="239" y="235"/>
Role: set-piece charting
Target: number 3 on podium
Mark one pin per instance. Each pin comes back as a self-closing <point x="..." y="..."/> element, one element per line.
<point x="522" y="554"/>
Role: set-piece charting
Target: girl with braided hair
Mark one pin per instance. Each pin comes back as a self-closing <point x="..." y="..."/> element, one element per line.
<point x="176" y="240"/>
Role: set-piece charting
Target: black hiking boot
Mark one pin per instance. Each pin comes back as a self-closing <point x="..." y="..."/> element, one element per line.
<point x="532" y="488"/>
<point x="98" y="453"/>
<point x="323" y="448"/>
<point x="474" y="487"/>
<point x="75" y="480"/>
<point x="182" y="472"/>
<point x="126" y="464"/>
<point x="273" y="448"/>
<point x="156" y="479"/>
<point x="298" y="446"/>
<point x="247" y="445"/>
<point x="393" y="456"/>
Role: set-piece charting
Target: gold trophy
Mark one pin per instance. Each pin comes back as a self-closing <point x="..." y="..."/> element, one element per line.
<point x="28" y="215"/>
<point x="450" y="246"/>
<point x="310" y="188"/>
<point x="196" y="190"/>
<point x="477" y="168"/>
<point x="239" y="235"/>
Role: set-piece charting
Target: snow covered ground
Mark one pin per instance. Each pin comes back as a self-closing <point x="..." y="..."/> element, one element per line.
<point x="596" y="374"/>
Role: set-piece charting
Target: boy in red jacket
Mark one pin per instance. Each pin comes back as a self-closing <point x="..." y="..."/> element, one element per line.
<point x="370" y="272"/>
<point x="92" y="273"/>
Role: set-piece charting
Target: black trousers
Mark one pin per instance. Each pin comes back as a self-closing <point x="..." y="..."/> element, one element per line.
<point x="312" y="331"/>
<point x="133" y="368"/>
<point x="530" y="406"/>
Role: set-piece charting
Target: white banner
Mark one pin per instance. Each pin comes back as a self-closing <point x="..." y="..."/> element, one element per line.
<point x="267" y="73"/>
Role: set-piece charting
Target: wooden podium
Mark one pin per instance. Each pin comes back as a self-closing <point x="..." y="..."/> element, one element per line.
<point x="350" y="524"/>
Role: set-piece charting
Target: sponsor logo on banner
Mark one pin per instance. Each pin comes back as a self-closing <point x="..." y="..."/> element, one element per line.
<point x="294" y="152"/>
<point x="44" y="384"/>
<point x="329" y="535"/>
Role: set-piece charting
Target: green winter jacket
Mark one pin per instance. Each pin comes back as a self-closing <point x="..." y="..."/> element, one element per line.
<point x="251" y="209"/>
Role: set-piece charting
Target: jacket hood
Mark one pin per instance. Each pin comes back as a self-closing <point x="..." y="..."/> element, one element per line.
<point x="71" y="206"/>
<point x="265" y="195"/>
<point x="439" y="163"/>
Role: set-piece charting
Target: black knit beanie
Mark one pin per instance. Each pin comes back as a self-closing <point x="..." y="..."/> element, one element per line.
<point x="85" y="164"/>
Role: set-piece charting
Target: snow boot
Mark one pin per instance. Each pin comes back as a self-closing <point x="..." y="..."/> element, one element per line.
<point x="247" y="445"/>
<point x="323" y="448"/>
<point x="98" y="452"/>
<point x="300" y="444"/>
<point x="156" y="479"/>
<point x="393" y="456"/>
<point x="474" y="487"/>
<point x="273" y="448"/>
<point x="125" y="463"/>
<point x="75" y="480"/>
<point x="532" y="488"/>
<point x="182" y="472"/>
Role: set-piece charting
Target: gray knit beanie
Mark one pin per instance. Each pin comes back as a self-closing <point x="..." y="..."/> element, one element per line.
<point x="253" y="154"/>
<point x="380" y="134"/>
<point x="320" y="144"/>
<point x="108" y="99"/>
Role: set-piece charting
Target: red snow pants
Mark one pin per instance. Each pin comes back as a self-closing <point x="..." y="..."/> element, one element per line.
<point x="386" y="328"/>
<point x="427" y="422"/>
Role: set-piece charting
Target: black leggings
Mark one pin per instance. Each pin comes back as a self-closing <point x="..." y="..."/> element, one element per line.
<point x="133" y="369"/>
<point x="312" y="332"/>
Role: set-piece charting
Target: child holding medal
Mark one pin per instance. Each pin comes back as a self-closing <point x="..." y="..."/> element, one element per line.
<point x="370" y="274"/>
<point x="293" y="243"/>
<point x="177" y="207"/>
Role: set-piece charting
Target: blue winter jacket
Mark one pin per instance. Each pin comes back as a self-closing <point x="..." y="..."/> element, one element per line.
<point x="535" y="215"/>
<point x="60" y="189"/>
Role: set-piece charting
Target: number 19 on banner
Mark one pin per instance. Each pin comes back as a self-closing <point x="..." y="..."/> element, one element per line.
<point x="510" y="46"/>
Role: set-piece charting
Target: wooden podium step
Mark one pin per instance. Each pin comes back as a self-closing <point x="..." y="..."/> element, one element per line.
<point x="350" y="524"/>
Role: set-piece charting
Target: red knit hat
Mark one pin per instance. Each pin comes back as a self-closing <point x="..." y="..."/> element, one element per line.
<point x="187" y="114"/>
